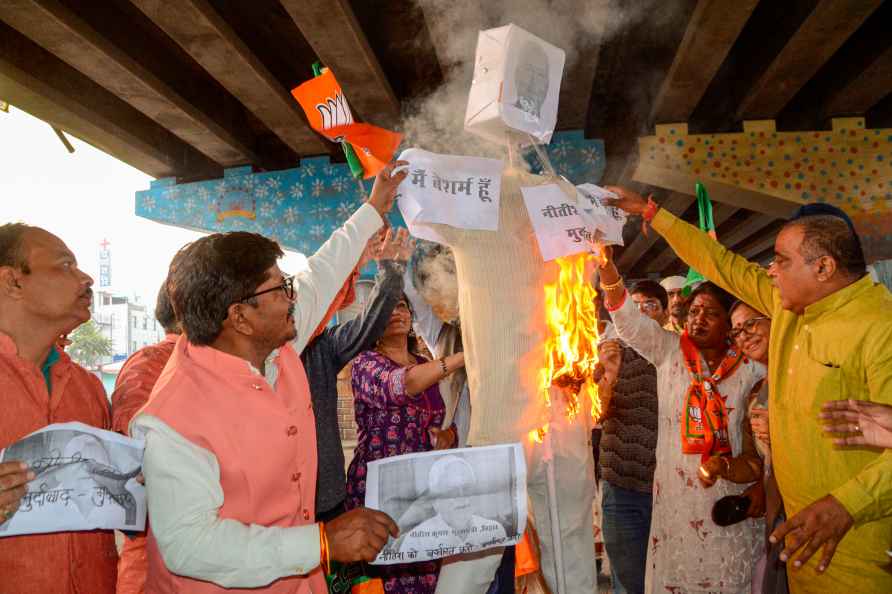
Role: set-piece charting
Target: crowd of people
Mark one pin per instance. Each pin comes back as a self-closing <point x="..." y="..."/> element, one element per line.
<point x="745" y="434"/>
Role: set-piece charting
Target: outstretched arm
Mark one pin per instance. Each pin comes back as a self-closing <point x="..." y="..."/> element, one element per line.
<point x="747" y="280"/>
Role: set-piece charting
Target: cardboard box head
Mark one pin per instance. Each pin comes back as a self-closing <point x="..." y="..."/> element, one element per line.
<point x="517" y="80"/>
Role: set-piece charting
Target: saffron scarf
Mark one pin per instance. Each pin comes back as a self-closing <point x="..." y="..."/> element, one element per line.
<point x="704" y="428"/>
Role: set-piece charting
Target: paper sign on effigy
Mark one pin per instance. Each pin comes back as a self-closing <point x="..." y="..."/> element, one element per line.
<point x="606" y="221"/>
<point x="462" y="192"/>
<point x="86" y="480"/>
<point x="560" y="228"/>
<point x="450" y="502"/>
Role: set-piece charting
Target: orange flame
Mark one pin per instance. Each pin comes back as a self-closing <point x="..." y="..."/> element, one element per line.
<point x="572" y="349"/>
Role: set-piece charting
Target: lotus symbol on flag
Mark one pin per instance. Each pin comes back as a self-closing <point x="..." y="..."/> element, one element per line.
<point x="335" y="112"/>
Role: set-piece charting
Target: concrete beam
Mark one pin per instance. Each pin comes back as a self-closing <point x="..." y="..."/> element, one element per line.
<point x="37" y="82"/>
<point x="712" y="30"/>
<point x="822" y="33"/>
<point x="733" y="195"/>
<point x="758" y="247"/>
<point x="335" y="35"/>
<point x="676" y="203"/>
<point x="865" y="90"/>
<point x="746" y="229"/>
<point x="720" y="213"/>
<point x="64" y="34"/>
<point x="204" y="35"/>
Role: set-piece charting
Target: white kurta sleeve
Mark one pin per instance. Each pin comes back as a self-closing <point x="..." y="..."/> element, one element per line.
<point x="184" y="498"/>
<point x="329" y="267"/>
<point x="643" y="334"/>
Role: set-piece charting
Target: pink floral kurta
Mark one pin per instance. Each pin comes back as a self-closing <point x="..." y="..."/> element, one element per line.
<point x="689" y="553"/>
<point x="391" y="423"/>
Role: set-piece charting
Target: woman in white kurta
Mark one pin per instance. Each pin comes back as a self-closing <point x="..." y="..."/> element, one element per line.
<point x="688" y="552"/>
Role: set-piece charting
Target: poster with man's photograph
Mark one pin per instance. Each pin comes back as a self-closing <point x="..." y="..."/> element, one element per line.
<point x="86" y="479"/>
<point x="450" y="502"/>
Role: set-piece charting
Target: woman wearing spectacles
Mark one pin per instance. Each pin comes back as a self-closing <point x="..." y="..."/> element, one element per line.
<point x="751" y="331"/>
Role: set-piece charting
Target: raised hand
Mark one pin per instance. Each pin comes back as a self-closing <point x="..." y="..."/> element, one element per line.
<point x="13" y="477"/>
<point x="627" y="200"/>
<point x="359" y="535"/>
<point x="396" y="246"/>
<point x="384" y="190"/>
<point x="860" y="422"/>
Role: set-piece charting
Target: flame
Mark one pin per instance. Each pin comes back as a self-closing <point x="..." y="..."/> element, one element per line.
<point x="571" y="351"/>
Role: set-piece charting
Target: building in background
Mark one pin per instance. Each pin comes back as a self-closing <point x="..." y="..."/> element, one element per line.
<point x="126" y="321"/>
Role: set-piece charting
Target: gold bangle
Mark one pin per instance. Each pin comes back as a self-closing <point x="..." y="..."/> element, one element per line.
<point x="615" y="285"/>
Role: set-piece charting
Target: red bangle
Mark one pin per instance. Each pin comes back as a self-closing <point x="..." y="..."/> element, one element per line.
<point x="650" y="211"/>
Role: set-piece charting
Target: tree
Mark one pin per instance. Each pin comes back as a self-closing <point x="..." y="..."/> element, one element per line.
<point x="88" y="345"/>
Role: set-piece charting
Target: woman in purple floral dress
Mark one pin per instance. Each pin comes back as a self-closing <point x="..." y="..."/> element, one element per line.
<point x="399" y="410"/>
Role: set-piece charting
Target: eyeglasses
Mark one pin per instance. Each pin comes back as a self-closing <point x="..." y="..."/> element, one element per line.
<point x="648" y="306"/>
<point x="749" y="327"/>
<point x="286" y="287"/>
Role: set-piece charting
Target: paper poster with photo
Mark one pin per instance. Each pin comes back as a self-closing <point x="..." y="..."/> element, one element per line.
<point x="516" y="86"/>
<point x="86" y="480"/>
<point x="450" y="502"/>
<point x="559" y="227"/>
<point x="606" y="221"/>
<point x="462" y="192"/>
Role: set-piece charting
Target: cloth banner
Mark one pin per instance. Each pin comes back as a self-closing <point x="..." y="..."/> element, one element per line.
<point x="462" y="192"/>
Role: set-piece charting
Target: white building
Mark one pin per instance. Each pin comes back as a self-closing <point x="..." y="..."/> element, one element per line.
<point x="129" y="324"/>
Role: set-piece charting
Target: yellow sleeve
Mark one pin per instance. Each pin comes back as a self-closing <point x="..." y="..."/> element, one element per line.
<point x="748" y="281"/>
<point x="868" y="494"/>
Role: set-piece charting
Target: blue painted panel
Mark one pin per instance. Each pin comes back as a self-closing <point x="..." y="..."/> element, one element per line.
<point x="301" y="207"/>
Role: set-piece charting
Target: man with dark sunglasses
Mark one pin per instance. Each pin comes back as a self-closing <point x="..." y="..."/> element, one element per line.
<point x="230" y="461"/>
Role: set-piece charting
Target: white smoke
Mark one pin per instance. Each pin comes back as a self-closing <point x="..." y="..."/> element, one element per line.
<point x="435" y="122"/>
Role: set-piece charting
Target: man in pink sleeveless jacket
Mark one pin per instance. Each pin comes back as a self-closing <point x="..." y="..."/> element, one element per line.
<point x="230" y="462"/>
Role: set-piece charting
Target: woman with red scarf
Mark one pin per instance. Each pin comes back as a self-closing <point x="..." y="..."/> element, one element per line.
<point x="703" y="384"/>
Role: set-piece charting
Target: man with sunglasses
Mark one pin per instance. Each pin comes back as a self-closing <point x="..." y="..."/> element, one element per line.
<point x="831" y="340"/>
<point x="230" y="463"/>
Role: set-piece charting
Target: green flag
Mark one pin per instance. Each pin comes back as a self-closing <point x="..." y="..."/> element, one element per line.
<point x="704" y="206"/>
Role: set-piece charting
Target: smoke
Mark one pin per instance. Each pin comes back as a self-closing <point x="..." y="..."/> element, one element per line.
<point x="434" y="277"/>
<point x="435" y="122"/>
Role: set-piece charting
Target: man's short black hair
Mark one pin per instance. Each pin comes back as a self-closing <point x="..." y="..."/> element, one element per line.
<point x="651" y="289"/>
<point x="722" y="296"/>
<point x="164" y="311"/>
<point x="212" y="273"/>
<point x="830" y="235"/>
<point x="12" y="246"/>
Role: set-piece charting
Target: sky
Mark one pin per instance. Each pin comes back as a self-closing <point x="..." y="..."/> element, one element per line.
<point x="85" y="198"/>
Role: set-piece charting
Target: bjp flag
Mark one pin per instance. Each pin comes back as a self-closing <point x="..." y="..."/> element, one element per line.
<point x="329" y="114"/>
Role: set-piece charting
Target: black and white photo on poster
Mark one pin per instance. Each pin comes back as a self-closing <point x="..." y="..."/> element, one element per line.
<point x="450" y="502"/>
<point x="86" y="479"/>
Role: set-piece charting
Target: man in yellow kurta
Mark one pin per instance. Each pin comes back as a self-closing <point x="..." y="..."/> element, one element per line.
<point x="831" y="339"/>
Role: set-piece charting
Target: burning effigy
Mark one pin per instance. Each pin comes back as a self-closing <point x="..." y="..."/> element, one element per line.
<point x="523" y="254"/>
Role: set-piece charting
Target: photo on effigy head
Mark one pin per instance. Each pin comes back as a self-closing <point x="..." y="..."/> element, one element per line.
<point x="85" y="479"/>
<point x="450" y="502"/>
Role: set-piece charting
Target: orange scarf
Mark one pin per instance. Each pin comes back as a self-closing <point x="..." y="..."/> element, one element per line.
<point x="704" y="429"/>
